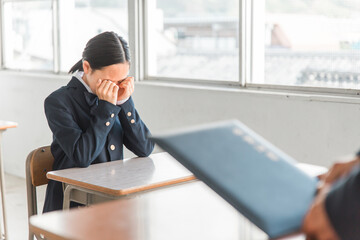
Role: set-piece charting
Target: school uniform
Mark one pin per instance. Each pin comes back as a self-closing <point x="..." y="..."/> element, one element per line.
<point x="342" y="205"/>
<point x="87" y="130"/>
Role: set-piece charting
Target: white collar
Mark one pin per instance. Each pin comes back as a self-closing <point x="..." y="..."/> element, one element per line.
<point x="79" y="74"/>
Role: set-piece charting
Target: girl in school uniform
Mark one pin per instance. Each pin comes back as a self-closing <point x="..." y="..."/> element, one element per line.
<point x="93" y="116"/>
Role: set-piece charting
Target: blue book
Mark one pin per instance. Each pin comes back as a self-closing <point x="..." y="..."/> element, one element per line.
<point x="255" y="177"/>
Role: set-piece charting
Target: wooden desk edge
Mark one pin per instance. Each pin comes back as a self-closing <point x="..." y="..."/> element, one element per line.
<point x="39" y="230"/>
<point x="115" y="192"/>
<point x="8" y="125"/>
<point x="159" y="185"/>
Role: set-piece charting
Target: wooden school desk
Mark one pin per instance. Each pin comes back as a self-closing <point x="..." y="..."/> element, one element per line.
<point x="112" y="180"/>
<point x="3" y="126"/>
<point x="191" y="211"/>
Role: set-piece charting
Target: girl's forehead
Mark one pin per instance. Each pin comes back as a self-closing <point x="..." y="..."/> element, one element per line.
<point x="115" y="71"/>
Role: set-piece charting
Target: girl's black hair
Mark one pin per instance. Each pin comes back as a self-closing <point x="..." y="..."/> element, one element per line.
<point x="103" y="50"/>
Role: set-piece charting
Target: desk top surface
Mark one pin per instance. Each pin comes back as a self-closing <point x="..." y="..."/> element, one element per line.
<point x="6" y="124"/>
<point x="191" y="211"/>
<point x="127" y="176"/>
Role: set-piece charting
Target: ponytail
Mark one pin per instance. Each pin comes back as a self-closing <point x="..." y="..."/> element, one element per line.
<point x="76" y="67"/>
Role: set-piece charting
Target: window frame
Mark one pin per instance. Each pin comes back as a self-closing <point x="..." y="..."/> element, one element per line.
<point x="144" y="58"/>
<point x="138" y="33"/>
<point x="246" y="60"/>
<point x="284" y="87"/>
<point x="2" y="61"/>
<point x="1" y="35"/>
<point x="56" y="35"/>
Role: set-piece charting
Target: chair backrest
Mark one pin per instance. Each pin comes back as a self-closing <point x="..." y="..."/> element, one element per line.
<point x="41" y="161"/>
<point x="38" y="163"/>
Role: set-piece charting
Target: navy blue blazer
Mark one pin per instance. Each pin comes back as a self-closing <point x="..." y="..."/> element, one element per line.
<point x="342" y="205"/>
<point x="87" y="130"/>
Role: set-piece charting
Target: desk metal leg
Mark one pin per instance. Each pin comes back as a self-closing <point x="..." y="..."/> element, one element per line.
<point x="90" y="197"/>
<point x="2" y="188"/>
<point x="67" y="195"/>
<point x="76" y="194"/>
<point x="83" y="196"/>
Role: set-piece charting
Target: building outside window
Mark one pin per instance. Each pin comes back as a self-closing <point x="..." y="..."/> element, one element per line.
<point x="196" y="39"/>
<point x="291" y="43"/>
<point x="27" y="35"/>
<point x="307" y="43"/>
<point x="29" y="28"/>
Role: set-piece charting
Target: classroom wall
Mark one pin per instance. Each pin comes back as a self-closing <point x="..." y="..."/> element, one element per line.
<point x="313" y="129"/>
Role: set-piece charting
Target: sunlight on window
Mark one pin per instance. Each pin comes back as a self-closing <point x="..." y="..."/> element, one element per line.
<point x="195" y="39"/>
<point x="28" y="35"/>
<point x="310" y="43"/>
<point x="81" y="20"/>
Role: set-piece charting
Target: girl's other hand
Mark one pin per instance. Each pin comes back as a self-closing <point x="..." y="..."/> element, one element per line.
<point x="126" y="88"/>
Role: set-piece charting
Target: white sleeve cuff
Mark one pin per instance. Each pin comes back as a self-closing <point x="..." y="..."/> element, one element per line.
<point x="121" y="101"/>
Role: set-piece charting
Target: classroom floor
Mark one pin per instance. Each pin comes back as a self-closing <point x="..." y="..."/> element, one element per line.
<point x="16" y="206"/>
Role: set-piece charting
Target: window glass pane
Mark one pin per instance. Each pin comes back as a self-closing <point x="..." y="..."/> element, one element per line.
<point x="81" y="20"/>
<point x="195" y="39"/>
<point x="311" y="43"/>
<point x="28" y="35"/>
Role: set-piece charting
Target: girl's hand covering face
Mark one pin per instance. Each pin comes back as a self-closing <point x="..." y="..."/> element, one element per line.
<point x="126" y="88"/>
<point x="107" y="90"/>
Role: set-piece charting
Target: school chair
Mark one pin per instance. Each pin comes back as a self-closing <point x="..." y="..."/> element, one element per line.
<point x="38" y="163"/>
